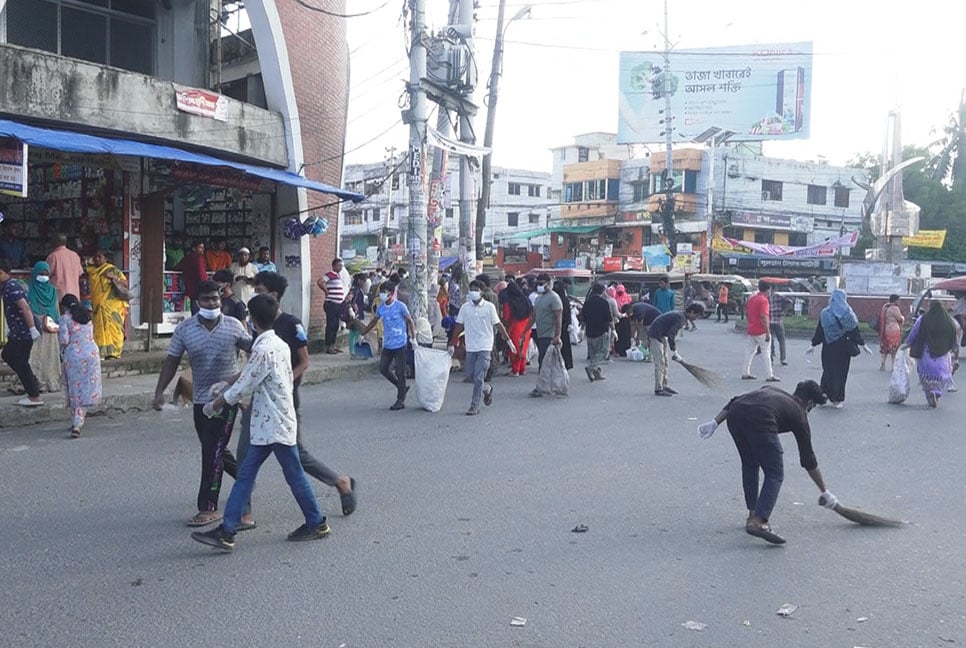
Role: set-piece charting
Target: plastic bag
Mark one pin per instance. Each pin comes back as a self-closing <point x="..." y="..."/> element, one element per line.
<point x="635" y="354"/>
<point x="553" y="379"/>
<point x="899" y="385"/>
<point x="532" y="351"/>
<point x="576" y="333"/>
<point x="432" y="377"/>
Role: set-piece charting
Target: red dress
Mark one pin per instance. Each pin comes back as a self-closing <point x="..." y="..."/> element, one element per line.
<point x="518" y="329"/>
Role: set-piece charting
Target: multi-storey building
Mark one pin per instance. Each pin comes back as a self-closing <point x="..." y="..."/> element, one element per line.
<point x="136" y="127"/>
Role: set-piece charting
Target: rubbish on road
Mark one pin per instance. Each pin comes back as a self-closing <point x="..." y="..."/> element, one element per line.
<point x="694" y="625"/>
<point x="746" y="623"/>
<point x="861" y="517"/>
<point x="432" y="376"/>
<point x="580" y="528"/>
<point x="798" y="503"/>
<point x="518" y="622"/>
<point x="862" y="619"/>
<point x="786" y="610"/>
<point x="692" y="418"/>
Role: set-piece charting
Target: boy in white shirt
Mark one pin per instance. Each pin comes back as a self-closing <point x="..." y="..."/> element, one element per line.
<point x="477" y="318"/>
<point x="268" y="375"/>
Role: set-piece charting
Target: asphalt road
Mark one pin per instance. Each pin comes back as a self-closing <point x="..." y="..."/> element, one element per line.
<point x="465" y="523"/>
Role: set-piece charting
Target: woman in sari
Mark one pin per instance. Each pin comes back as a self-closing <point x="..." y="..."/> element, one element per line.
<point x="109" y="296"/>
<point x="518" y="317"/>
<point x="931" y="342"/>
<point x="45" y="353"/>
<point x="442" y="297"/>
<point x="838" y="333"/>
<point x="890" y="330"/>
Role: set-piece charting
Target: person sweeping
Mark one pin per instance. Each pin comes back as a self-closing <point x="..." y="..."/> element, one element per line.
<point x="755" y="420"/>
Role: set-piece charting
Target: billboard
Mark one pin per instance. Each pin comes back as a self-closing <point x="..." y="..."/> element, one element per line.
<point x="760" y="92"/>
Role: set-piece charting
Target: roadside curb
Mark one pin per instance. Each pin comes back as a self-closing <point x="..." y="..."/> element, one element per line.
<point x="139" y="398"/>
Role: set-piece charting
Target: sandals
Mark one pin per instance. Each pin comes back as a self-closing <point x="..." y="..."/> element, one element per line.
<point x="204" y="518"/>
<point x="764" y="532"/>
<point x="75" y="433"/>
<point x="349" y="499"/>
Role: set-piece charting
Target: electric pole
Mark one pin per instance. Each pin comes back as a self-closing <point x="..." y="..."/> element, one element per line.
<point x="486" y="170"/>
<point x="668" y="207"/>
<point x="417" y="117"/>
<point x="467" y="245"/>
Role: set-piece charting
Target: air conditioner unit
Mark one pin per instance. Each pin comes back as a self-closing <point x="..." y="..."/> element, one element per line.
<point x="734" y="171"/>
<point x="766" y="195"/>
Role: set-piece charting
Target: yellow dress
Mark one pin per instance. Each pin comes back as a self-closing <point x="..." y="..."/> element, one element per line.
<point x="109" y="312"/>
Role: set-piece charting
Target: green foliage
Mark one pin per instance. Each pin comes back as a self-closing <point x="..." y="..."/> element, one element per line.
<point x="949" y="162"/>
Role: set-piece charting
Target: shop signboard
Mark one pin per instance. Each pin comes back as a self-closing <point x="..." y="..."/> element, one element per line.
<point x="565" y="263"/>
<point x="13" y="167"/>
<point x="612" y="264"/>
<point x="761" y="92"/>
<point x="202" y="102"/>
<point x="634" y="263"/>
<point x="763" y="220"/>
<point x="656" y="256"/>
<point x="926" y="239"/>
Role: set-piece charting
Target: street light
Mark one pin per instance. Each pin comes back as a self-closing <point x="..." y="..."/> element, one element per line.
<point x="486" y="165"/>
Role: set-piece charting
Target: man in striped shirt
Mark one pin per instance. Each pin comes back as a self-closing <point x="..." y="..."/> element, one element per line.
<point x="335" y="290"/>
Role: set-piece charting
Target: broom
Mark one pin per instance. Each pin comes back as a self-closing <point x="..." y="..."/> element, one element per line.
<point x="861" y="517"/>
<point x="704" y="376"/>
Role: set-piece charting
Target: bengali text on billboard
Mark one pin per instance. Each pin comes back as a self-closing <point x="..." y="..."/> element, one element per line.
<point x="760" y="92"/>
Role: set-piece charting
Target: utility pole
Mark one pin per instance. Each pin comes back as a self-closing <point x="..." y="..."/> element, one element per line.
<point x="417" y="117"/>
<point x="467" y="245"/>
<point x="668" y="207"/>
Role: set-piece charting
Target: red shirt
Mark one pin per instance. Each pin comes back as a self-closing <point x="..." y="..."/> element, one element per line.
<point x="756" y="308"/>
<point x="193" y="272"/>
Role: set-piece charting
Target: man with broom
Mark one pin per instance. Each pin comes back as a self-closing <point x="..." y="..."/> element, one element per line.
<point x="660" y="338"/>
<point x="755" y="420"/>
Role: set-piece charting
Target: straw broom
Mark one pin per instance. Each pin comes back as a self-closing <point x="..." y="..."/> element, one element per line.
<point x="704" y="376"/>
<point x="861" y="517"/>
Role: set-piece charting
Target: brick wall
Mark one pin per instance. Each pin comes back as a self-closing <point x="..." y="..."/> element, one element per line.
<point x="319" y="60"/>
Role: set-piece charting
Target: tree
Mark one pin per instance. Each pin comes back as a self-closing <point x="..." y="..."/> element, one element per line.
<point x="949" y="162"/>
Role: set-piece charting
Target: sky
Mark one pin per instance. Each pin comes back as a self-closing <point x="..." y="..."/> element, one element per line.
<point x="560" y="72"/>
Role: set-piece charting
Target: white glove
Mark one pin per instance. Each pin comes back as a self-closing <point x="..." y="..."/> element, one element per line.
<point x="676" y="357"/>
<point x="34" y="333"/>
<point x="217" y="390"/>
<point x="809" y="354"/>
<point x="451" y="351"/>
<point x="209" y="409"/>
<point x="828" y="500"/>
<point x="865" y="347"/>
<point x="705" y="430"/>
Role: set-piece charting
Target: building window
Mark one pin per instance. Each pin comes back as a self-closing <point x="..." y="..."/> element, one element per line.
<point x="392" y="212"/>
<point x="817" y="195"/>
<point x="595" y="190"/>
<point x="573" y="192"/>
<point x="771" y="190"/>
<point x="449" y="212"/>
<point x="797" y="239"/>
<point x="583" y="153"/>
<point x="534" y="219"/>
<point x="513" y="219"/>
<point x="376" y="214"/>
<point x="841" y="197"/>
<point x="690" y="182"/>
<point x="640" y="191"/>
<point x="764" y="236"/>
<point x="353" y="218"/>
<point x="533" y="191"/>
<point x="394" y="183"/>
<point x="110" y="32"/>
<point x="513" y="188"/>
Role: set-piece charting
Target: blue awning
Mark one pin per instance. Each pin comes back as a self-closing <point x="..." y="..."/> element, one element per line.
<point x="71" y="142"/>
<point x="447" y="261"/>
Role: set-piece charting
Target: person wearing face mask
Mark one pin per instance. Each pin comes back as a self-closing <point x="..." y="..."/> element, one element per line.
<point x="403" y="292"/>
<point x="755" y="420"/>
<point x="398" y="329"/>
<point x="45" y="353"/>
<point x="211" y="341"/>
<point x="477" y="319"/>
<point x="548" y="316"/>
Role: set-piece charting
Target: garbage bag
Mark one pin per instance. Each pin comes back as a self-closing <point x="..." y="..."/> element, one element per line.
<point x="635" y="354"/>
<point x="432" y="377"/>
<point x="553" y="379"/>
<point x="574" y="328"/>
<point x="532" y="351"/>
<point x="899" y="385"/>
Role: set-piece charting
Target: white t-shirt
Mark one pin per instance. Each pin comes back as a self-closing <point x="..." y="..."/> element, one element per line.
<point x="478" y="321"/>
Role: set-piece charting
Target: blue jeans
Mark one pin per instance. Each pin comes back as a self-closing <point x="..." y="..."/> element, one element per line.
<point x="759" y="451"/>
<point x="288" y="459"/>
<point x="477" y="364"/>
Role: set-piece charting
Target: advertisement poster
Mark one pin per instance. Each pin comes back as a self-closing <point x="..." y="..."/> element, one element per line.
<point x="202" y="102"/>
<point x="926" y="239"/>
<point x="761" y="92"/>
<point x="13" y="167"/>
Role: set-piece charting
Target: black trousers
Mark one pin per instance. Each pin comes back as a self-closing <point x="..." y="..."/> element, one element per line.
<point x="332" y="315"/>
<point x="216" y="459"/>
<point x="16" y="353"/>
<point x="397" y="356"/>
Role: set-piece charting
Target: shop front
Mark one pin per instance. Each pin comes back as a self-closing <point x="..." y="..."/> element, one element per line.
<point x="129" y="198"/>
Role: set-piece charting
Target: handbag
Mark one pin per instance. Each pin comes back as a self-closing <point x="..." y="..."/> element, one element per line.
<point x="119" y="292"/>
<point x="851" y="344"/>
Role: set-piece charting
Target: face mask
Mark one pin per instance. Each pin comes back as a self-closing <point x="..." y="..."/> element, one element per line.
<point x="383" y="296"/>
<point x="43" y="278"/>
<point x="475" y="295"/>
<point x="402" y="275"/>
<point x="541" y="288"/>
<point x="209" y="313"/>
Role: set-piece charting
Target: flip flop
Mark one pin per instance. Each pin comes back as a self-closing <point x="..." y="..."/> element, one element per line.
<point x="349" y="499"/>
<point x="204" y="518"/>
<point x="765" y="533"/>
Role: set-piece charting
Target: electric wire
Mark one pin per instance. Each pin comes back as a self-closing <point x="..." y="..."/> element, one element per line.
<point x="334" y="14"/>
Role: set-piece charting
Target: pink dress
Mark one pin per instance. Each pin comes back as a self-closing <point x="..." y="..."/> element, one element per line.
<point x="81" y="375"/>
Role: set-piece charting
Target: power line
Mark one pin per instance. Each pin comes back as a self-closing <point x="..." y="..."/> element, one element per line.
<point x="340" y="15"/>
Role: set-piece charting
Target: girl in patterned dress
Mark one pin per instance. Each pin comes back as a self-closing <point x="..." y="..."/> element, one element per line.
<point x="81" y="361"/>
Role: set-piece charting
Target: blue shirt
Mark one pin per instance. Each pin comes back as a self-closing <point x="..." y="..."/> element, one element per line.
<point x="664" y="299"/>
<point x="395" y="332"/>
<point x="13" y="251"/>
<point x="268" y="266"/>
<point x="17" y="328"/>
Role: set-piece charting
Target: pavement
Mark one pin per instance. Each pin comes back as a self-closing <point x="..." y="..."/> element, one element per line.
<point x="467" y="522"/>
<point x="128" y="386"/>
